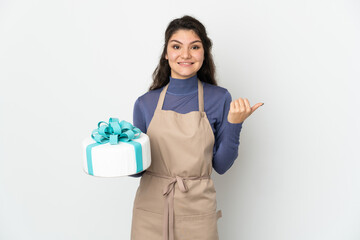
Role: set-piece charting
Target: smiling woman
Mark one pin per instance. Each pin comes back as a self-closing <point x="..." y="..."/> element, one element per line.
<point x="193" y="127"/>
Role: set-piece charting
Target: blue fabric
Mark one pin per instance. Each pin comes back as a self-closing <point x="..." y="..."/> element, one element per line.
<point x="182" y="97"/>
<point x="89" y="157"/>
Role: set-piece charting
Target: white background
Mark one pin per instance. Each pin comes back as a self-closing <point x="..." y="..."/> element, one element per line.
<point x="66" y="65"/>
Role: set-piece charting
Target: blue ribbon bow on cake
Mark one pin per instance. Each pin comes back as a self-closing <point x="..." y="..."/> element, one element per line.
<point x="115" y="132"/>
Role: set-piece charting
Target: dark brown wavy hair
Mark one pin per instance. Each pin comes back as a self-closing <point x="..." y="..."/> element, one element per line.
<point x="207" y="71"/>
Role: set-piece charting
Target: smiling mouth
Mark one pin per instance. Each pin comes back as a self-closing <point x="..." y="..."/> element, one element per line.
<point x="185" y="63"/>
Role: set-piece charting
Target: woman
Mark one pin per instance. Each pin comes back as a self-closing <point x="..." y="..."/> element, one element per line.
<point x="193" y="127"/>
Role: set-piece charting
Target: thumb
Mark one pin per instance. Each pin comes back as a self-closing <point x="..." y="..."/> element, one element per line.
<point x="256" y="106"/>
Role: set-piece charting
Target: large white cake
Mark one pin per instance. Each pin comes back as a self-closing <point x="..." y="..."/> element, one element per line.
<point x="106" y="160"/>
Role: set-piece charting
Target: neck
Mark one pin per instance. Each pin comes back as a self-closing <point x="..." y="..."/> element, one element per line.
<point x="183" y="86"/>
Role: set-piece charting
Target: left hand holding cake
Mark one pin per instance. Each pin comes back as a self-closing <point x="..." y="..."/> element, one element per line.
<point x="240" y="110"/>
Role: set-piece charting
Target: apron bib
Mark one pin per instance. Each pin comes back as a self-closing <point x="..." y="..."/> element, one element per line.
<point x="176" y="198"/>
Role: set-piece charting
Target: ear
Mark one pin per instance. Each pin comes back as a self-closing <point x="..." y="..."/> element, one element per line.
<point x="166" y="57"/>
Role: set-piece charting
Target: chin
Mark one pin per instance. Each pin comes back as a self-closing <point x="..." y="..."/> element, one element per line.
<point x="187" y="75"/>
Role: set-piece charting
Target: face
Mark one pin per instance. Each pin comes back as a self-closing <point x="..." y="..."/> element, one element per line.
<point x="185" y="54"/>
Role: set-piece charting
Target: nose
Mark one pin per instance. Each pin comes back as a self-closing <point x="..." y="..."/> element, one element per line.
<point x="185" y="53"/>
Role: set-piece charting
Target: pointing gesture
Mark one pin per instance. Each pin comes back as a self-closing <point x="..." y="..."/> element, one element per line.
<point x="240" y="110"/>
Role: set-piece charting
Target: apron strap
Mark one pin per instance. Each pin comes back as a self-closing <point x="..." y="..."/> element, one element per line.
<point x="201" y="96"/>
<point x="162" y="97"/>
<point x="218" y="214"/>
<point x="168" y="193"/>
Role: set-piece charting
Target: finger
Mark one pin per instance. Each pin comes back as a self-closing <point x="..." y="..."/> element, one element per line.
<point x="237" y="105"/>
<point x="256" y="106"/>
<point x="247" y="105"/>
<point x="242" y="105"/>
<point x="232" y="106"/>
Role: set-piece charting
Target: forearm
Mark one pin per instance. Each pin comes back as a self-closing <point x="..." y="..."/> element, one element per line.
<point x="227" y="151"/>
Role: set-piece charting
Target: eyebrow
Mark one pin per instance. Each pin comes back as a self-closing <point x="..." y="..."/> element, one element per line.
<point x="182" y="43"/>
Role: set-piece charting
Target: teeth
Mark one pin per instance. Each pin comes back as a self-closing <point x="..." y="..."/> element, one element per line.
<point x="185" y="63"/>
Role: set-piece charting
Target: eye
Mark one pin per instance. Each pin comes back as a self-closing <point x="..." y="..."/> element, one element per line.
<point x="176" y="46"/>
<point x="195" y="47"/>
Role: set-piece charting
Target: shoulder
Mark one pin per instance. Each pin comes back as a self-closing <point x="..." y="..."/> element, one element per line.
<point x="149" y="96"/>
<point x="216" y="92"/>
<point x="147" y="101"/>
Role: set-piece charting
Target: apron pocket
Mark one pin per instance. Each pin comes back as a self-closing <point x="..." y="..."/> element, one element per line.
<point x="199" y="227"/>
<point x="146" y="225"/>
